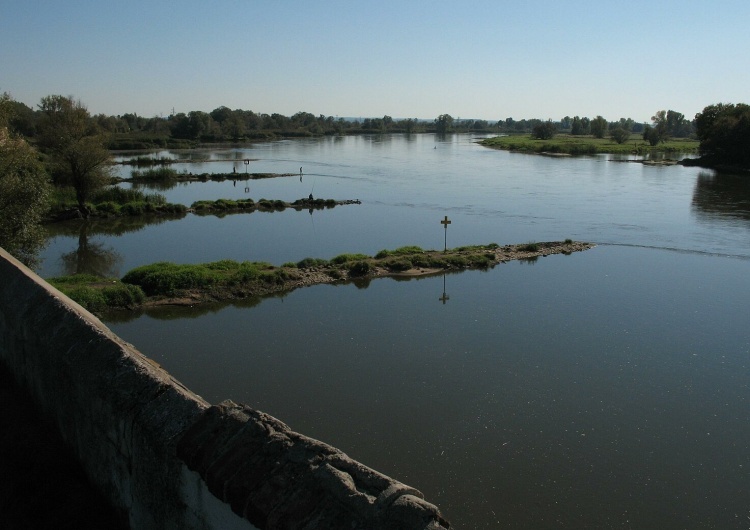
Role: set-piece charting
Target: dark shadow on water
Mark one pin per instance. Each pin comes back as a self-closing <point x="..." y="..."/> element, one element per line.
<point x="721" y="195"/>
<point x="176" y="312"/>
<point x="91" y="257"/>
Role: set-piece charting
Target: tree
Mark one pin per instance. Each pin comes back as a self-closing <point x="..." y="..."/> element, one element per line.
<point x="544" y="130"/>
<point x="24" y="192"/>
<point x="580" y="126"/>
<point x="724" y="133"/>
<point x="75" y="147"/>
<point x="598" y="127"/>
<point x="659" y="131"/>
<point x="444" y="123"/>
<point x="619" y="134"/>
<point x="651" y="135"/>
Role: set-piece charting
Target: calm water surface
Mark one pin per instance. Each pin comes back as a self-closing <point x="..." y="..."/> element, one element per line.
<point x="605" y="389"/>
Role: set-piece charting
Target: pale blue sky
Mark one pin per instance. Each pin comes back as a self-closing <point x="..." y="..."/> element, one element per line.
<point x="476" y="59"/>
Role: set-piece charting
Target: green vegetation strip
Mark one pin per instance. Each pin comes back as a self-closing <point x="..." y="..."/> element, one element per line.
<point x="587" y="145"/>
<point x="167" y="174"/>
<point x="170" y="283"/>
<point x="249" y="205"/>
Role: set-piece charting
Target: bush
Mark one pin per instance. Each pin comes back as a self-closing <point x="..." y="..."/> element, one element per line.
<point x="401" y="251"/>
<point x="398" y="265"/>
<point x="157" y="174"/>
<point x="619" y="135"/>
<point x="165" y="278"/>
<point x="345" y="258"/>
<point x="529" y="247"/>
<point x="123" y="295"/>
<point x="309" y="263"/>
<point x="88" y="297"/>
<point x="359" y="268"/>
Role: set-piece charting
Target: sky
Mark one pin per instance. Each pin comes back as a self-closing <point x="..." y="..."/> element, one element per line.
<point x="477" y="59"/>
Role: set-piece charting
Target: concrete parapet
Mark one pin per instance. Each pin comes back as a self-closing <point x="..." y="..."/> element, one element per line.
<point x="162" y="454"/>
<point x="277" y="478"/>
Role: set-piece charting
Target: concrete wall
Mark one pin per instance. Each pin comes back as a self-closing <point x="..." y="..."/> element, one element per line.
<point x="164" y="455"/>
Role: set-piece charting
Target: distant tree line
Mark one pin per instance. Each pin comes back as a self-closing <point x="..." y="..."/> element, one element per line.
<point x="61" y="146"/>
<point x="223" y="125"/>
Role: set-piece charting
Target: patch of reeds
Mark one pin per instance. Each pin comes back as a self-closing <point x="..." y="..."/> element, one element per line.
<point x="157" y="174"/>
<point x="166" y="278"/>
<point x="147" y="161"/>
<point x="529" y="247"/>
<point x="98" y="294"/>
<point x="346" y="258"/>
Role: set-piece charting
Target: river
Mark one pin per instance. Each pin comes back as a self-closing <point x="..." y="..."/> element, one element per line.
<point x="604" y="389"/>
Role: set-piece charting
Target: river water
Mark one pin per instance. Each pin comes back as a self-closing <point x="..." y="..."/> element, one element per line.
<point x="605" y="389"/>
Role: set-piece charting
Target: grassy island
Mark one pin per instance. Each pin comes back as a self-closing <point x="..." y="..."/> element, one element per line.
<point x="565" y="144"/>
<point x="168" y="283"/>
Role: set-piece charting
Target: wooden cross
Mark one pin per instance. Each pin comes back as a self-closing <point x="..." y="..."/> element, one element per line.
<point x="445" y="222"/>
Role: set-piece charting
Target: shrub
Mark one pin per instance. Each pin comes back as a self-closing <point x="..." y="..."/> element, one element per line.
<point x="398" y="265"/>
<point x="88" y="297"/>
<point x="165" y="278"/>
<point x="108" y="207"/>
<point x="359" y="268"/>
<point x="529" y="247"/>
<point x="122" y="295"/>
<point x="161" y="173"/>
<point x="401" y="251"/>
<point x="345" y="258"/>
<point x="309" y="263"/>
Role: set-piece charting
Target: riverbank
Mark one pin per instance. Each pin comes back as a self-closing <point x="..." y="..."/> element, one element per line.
<point x="170" y="284"/>
<point x="586" y="145"/>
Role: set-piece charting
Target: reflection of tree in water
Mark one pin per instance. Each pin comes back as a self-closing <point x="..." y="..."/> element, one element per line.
<point x="158" y="185"/>
<point x="721" y="196"/>
<point x="91" y="258"/>
<point x="175" y="312"/>
<point x="115" y="226"/>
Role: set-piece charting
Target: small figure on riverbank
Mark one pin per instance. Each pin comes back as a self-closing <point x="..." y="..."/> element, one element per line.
<point x="310" y="197"/>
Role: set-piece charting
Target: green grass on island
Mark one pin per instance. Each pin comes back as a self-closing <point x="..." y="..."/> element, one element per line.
<point x="588" y="145"/>
<point x="167" y="282"/>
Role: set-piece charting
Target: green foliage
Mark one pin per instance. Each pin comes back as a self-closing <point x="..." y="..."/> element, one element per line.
<point x="75" y="147"/>
<point x="651" y="135"/>
<point x="359" y="268"/>
<point x="544" y="131"/>
<point x="724" y="133"/>
<point x="159" y="174"/>
<point x="88" y="297"/>
<point x="76" y="279"/>
<point x="24" y="195"/>
<point x="402" y="251"/>
<point x="148" y="161"/>
<point x="444" y="124"/>
<point x="529" y="247"/>
<point x="619" y="134"/>
<point x="345" y="258"/>
<point x="398" y="265"/>
<point x="311" y="263"/>
<point x="97" y="294"/>
<point x="165" y="278"/>
<point x="586" y="145"/>
<point x="120" y="195"/>
<point x="598" y="127"/>
<point x="122" y="295"/>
